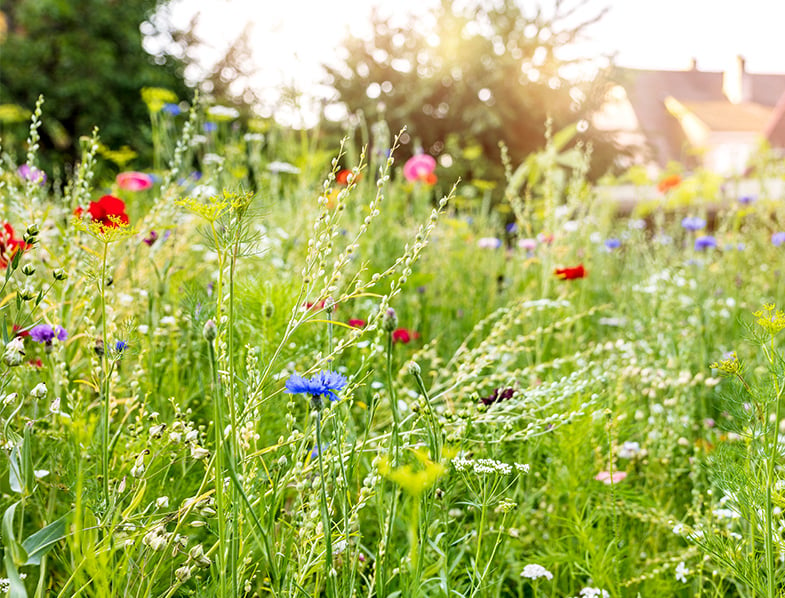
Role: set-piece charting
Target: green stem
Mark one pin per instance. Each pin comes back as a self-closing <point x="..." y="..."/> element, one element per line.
<point x="105" y="382"/>
<point x="394" y="437"/>
<point x="218" y="465"/>
<point x="326" y="521"/>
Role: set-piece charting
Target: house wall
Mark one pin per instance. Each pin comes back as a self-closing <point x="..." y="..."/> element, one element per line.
<point x="728" y="152"/>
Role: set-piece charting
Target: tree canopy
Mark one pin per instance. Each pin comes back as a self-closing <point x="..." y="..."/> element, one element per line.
<point x="465" y="76"/>
<point x="86" y="57"/>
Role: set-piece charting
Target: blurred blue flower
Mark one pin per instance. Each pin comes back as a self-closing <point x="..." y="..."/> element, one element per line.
<point x="693" y="223"/>
<point x="323" y="384"/>
<point x="612" y="244"/>
<point x="209" y="127"/>
<point x="172" y="109"/>
<point x="705" y="242"/>
<point x="777" y="239"/>
<point x="747" y="199"/>
<point x="512" y="228"/>
<point x="120" y="346"/>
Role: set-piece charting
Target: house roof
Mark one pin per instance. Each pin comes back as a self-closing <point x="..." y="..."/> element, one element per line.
<point x="775" y="128"/>
<point x="700" y="91"/>
<point x="724" y="116"/>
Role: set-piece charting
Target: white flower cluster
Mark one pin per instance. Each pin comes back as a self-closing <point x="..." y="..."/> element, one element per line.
<point x="593" y="593"/>
<point x="487" y="466"/>
<point x="535" y="572"/>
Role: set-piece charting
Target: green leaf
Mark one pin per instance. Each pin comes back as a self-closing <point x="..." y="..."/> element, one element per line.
<point x="13" y="549"/>
<point x="563" y="137"/>
<point x="39" y="543"/>
<point x="28" y="474"/>
<point x="14" y="471"/>
<point x="16" y="587"/>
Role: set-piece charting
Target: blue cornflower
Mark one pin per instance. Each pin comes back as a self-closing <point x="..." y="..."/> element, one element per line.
<point x="44" y="333"/>
<point x="323" y="384"/>
<point x="120" y="346"/>
<point x="705" y="242"/>
<point x="693" y="223"/>
<point x="777" y="239"/>
<point x="612" y="244"/>
<point x="172" y="109"/>
<point x="747" y="199"/>
<point x="209" y="127"/>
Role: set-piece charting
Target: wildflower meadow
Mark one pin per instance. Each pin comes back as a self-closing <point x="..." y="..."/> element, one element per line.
<point x="263" y="366"/>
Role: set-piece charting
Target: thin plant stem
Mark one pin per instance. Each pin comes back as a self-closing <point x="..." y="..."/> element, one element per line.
<point x="326" y="520"/>
<point x="105" y="381"/>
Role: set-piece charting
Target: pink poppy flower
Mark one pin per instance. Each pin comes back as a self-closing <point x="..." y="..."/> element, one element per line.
<point x="605" y="477"/>
<point x="134" y="181"/>
<point x="420" y="167"/>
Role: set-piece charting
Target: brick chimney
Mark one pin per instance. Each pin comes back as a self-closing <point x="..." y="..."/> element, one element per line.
<point x="736" y="85"/>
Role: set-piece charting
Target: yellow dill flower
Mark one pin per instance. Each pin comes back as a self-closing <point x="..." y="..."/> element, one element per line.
<point x="771" y="319"/>
<point x="730" y="366"/>
<point x="156" y="97"/>
<point x="413" y="479"/>
<point x="216" y="205"/>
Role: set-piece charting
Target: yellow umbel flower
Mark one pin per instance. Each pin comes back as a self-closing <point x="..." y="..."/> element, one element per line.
<point x="771" y="319"/>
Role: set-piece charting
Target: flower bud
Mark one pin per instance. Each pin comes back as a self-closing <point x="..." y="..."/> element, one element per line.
<point x="28" y="269"/>
<point x="414" y="368"/>
<point x="210" y="331"/>
<point x="59" y="274"/>
<point x="30" y="234"/>
<point x="389" y="320"/>
<point x="39" y="392"/>
<point x="14" y="352"/>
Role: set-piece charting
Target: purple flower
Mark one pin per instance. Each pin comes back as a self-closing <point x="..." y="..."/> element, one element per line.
<point x="693" y="223"/>
<point x="747" y="199"/>
<point x="512" y="228"/>
<point x="612" y="244"/>
<point x="498" y="395"/>
<point x="32" y="174"/>
<point x="151" y="238"/>
<point x="323" y="384"/>
<point x="120" y="346"/>
<point x="209" y="127"/>
<point x="777" y="239"/>
<point x="44" y="333"/>
<point x="705" y="242"/>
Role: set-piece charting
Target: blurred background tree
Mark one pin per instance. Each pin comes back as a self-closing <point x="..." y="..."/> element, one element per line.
<point x="87" y="58"/>
<point x="468" y="75"/>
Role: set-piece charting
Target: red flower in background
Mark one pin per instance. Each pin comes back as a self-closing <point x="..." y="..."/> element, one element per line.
<point x="668" y="183"/>
<point x="342" y="178"/>
<point x="9" y="244"/>
<point x="571" y="273"/>
<point x="405" y="336"/>
<point x="356" y="323"/>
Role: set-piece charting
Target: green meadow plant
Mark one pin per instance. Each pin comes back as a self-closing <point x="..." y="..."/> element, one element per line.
<point x="298" y="374"/>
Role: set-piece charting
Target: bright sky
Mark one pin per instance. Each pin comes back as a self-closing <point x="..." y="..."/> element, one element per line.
<point x="291" y="38"/>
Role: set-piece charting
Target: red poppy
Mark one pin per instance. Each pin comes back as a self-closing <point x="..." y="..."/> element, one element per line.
<point x="571" y="273"/>
<point x="19" y="332"/>
<point x="429" y="179"/>
<point x="356" y="323"/>
<point x="342" y="178"/>
<point x="668" y="183"/>
<point x="314" y="306"/>
<point x="9" y="244"/>
<point x="405" y="336"/>
<point x="109" y="210"/>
